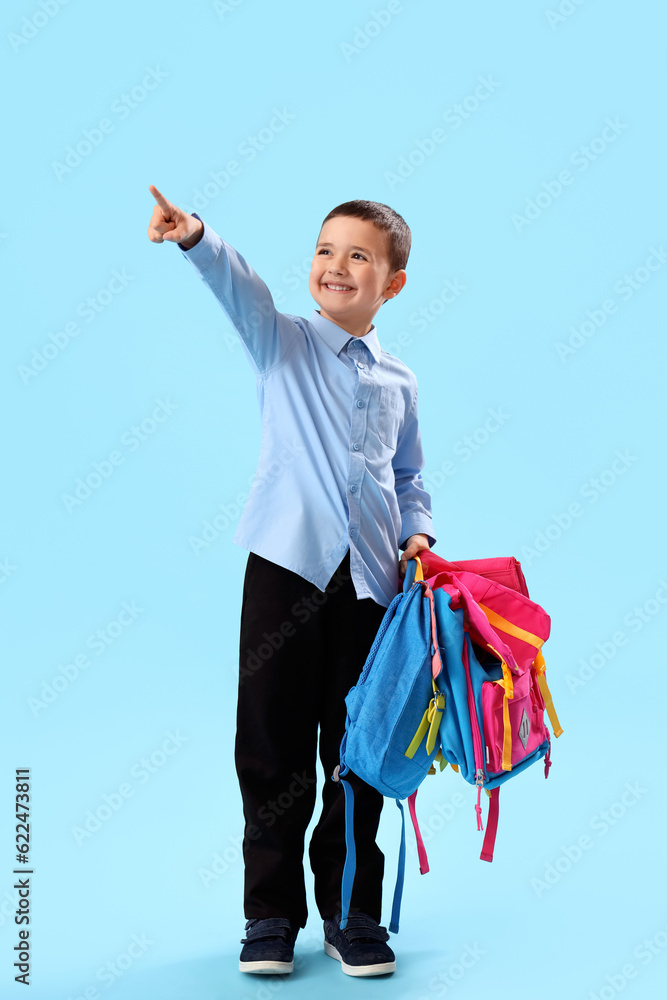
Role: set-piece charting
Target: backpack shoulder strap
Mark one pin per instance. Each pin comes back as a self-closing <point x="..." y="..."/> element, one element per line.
<point x="491" y="826"/>
<point x="350" y="866"/>
<point x="540" y="668"/>
<point x="398" y="891"/>
<point x="421" y="850"/>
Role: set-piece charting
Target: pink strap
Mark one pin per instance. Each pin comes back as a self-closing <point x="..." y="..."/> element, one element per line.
<point x="421" y="850"/>
<point x="547" y="758"/>
<point x="475" y="619"/>
<point x="491" y="826"/>
<point x="436" y="662"/>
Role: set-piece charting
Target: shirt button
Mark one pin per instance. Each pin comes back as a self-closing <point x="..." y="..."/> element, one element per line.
<point x="353" y="488"/>
<point x="360" y="403"/>
<point x="360" y="364"/>
<point x="355" y="446"/>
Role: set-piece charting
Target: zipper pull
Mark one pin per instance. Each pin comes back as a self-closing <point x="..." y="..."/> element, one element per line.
<point x="479" y="781"/>
<point x="435" y="710"/>
<point x="547" y="756"/>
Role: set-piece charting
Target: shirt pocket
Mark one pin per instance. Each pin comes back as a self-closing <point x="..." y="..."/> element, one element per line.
<point x="389" y="416"/>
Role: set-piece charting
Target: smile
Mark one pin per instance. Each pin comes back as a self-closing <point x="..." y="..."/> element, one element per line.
<point x="337" y="288"/>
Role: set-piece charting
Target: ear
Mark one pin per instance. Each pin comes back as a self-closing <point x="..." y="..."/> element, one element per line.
<point x="396" y="283"/>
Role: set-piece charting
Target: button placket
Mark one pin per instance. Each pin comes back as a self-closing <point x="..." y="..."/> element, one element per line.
<point x="357" y="434"/>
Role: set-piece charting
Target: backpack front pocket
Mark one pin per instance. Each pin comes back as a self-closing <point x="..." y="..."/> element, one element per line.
<point x="526" y="720"/>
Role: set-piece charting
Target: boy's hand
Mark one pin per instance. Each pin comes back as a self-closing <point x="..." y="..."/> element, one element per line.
<point x="415" y="545"/>
<point x="173" y="224"/>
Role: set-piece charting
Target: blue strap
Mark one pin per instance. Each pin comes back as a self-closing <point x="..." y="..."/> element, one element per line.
<point x="350" y="866"/>
<point x="410" y="573"/>
<point x="398" y="891"/>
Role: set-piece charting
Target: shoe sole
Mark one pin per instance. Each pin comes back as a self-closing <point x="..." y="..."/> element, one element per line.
<point x="380" y="969"/>
<point x="266" y="967"/>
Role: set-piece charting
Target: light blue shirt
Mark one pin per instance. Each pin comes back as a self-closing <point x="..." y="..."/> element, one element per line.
<point x="340" y="453"/>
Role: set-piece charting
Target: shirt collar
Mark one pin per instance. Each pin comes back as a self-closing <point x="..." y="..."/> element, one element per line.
<point x="336" y="337"/>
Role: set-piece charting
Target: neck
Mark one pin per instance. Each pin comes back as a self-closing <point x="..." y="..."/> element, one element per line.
<point x="354" y="329"/>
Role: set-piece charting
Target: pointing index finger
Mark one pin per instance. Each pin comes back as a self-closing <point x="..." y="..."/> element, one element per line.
<point x="165" y="205"/>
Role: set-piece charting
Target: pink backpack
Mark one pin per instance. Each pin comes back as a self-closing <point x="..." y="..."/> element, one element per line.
<point x="492" y="726"/>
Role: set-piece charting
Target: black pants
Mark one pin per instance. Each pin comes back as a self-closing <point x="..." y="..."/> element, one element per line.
<point x="301" y="650"/>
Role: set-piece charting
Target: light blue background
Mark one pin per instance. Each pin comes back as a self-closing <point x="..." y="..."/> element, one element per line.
<point x="172" y="669"/>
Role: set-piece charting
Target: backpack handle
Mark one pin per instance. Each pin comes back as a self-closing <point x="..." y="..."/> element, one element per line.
<point x="413" y="571"/>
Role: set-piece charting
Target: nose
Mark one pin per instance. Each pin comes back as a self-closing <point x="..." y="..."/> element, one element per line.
<point x="335" y="267"/>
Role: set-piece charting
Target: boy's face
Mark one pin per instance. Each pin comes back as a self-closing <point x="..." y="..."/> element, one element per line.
<point x="353" y="253"/>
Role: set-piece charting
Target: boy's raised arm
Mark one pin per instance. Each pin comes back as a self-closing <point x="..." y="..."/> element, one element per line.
<point x="265" y="333"/>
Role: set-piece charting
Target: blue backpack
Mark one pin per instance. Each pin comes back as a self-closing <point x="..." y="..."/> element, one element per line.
<point x="428" y="692"/>
<point x="393" y="717"/>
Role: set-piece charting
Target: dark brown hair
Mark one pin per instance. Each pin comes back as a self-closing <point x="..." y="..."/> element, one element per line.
<point x="386" y="219"/>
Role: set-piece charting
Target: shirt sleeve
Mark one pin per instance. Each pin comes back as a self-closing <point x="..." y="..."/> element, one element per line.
<point x="265" y="333"/>
<point x="414" y="502"/>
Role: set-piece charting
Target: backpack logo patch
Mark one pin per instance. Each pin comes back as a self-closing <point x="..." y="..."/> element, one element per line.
<point x="524" y="729"/>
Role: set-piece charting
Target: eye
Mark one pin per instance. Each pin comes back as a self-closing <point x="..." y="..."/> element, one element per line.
<point x="355" y="254"/>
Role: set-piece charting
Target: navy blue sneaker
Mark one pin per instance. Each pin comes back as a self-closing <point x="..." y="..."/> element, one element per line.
<point x="268" y="947"/>
<point x="361" y="947"/>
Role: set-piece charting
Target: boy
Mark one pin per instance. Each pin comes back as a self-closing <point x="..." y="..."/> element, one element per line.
<point x="337" y="492"/>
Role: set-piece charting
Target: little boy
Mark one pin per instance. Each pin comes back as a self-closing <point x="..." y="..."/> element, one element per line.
<point x="337" y="492"/>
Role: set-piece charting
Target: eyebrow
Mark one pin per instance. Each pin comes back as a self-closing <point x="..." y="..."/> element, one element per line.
<point x="351" y="248"/>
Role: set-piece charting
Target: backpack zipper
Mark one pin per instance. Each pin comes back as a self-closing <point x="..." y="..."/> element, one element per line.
<point x="476" y="735"/>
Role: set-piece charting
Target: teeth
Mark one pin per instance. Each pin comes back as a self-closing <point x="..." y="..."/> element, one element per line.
<point x="341" y="288"/>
